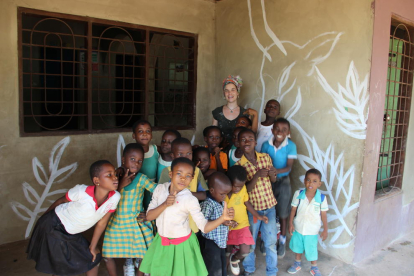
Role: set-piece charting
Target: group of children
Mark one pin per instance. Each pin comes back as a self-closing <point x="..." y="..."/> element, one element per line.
<point x="181" y="209"/>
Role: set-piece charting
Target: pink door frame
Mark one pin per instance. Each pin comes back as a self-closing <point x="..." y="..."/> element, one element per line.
<point x="383" y="220"/>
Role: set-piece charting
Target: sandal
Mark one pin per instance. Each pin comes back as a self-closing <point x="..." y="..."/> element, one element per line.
<point x="234" y="269"/>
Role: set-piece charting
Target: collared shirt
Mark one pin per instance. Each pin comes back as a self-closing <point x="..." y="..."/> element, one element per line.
<point x="82" y="211"/>
<point x="240" y="211"/>
<point x="197" y="184"/>
<point x="280" y="155"/>
<point x="173" y="222"/>
<point x="261" y="197"/>
<point x="308" y="217"/>
<point x="213" y="210"/>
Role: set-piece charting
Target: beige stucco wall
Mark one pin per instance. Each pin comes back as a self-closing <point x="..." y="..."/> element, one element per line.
<point x="329" y="35"/>
<point x="16" y="153"/>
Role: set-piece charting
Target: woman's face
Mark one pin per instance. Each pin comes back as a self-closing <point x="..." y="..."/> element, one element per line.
<point x="230" y="92"/>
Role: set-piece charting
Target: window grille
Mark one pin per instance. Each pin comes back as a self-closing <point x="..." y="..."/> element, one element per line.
<point x="86" y="75"/>
<point x="397" y="108"/>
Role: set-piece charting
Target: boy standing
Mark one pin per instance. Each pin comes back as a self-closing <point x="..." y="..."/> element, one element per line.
<point x="310" y="208"/>
<point x="213" y="244"/>
<point x="283" y="152"/>
<point x="264" y="131"/>
<point x="260" y="175"/>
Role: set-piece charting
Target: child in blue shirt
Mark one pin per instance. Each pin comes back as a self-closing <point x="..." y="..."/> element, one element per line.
<point x="213" y="244"/>
<point x="283" y="152"/>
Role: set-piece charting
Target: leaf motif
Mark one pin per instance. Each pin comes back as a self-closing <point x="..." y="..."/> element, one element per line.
<point x="119" y="149"/>
<point x="36" y="167"/>
<point x="192" y="140"/>
<point x="59" y="148"/>
<point x="71" y="168"/>
<point x="61" y="191"/>
<point x="16" y="206"/>
<point x="27" y="190"/>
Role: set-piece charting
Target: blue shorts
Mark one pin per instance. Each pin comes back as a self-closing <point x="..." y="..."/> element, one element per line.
<point x="309" y="243"/>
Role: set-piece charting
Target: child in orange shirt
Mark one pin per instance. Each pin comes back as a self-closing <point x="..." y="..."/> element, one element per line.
<point x="213" y="137"/>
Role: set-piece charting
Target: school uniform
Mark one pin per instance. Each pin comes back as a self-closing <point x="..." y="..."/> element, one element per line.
<point x="56" y="244"/>
<point x="175" y="249"/>
<point x="125" y="237"/>
<point x="149" y="168"/>
<point x="307" y="223"/>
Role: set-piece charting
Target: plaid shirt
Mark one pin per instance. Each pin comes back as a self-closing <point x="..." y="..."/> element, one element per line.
<point x="212" y="210"/>
<point x="261" y="196"/>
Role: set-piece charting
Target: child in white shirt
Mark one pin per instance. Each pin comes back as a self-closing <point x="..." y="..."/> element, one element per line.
<point x="171" y="205"/>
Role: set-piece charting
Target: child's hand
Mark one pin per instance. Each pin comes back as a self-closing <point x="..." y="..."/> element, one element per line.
<point x="324" y="234"/>
<point x="216" y="151"/>
<point x="233" y="223"/>
<point x="228" y="214"/>
<point x="120" y="172"/>
<point x="94" y="251"/>
<point x="291" y="229"/>
<point x="227" y="223"/>
<point x="272" y="171"/>
<point x="127" y="179"/>
<point x="142" y="216"/>
<point x="170" y="199"/>
<point x="262" y="173"/>
<point x="264" y="218"/>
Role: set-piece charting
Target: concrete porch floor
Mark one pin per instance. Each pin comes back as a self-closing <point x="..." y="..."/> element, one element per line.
<point x="394" y="259"/>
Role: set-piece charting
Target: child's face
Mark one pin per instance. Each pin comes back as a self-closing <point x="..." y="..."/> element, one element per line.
<point x="213" y="138"/>
<point x="219" y="192"/>
<point x="202" y="158"/>
<point x="272" y="109"/>
<point x="235" y="139"/>
<point x="181" y="176"/>
<point x="312" y="182"/>
<point x="243" y="122"/>
<point x="182" y="150"/>
<point x="166" y="141"/>
<point x="280" y="131"/>
<point x="247" y="142"/>
<point x="230" y="92"/>
<point x="107" y="179"/>
<point x="142" y="134"/>
<point x="132" y="160"/>
<point x="237" y="186"/>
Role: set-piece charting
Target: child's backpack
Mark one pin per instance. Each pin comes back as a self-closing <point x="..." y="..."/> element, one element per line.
<point x="301" y="191"/>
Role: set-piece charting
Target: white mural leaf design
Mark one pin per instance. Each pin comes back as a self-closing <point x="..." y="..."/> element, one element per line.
<point x="351" y="101"/>
<point x="16" y="206"/>
<point x="60" y="148"/>
<point x="333" y="175"/>
<point x="192" y="140"/>
<point x="71" y="168"/>
<point x="119" y="150"/>
<point x="29" y="192"/>
<point x="55" y="173"/>
<point x="282" y="82"/>
<point x="36" y="167"/>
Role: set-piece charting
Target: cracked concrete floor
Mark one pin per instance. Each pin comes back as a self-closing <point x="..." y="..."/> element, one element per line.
<point x="394" y="259"/>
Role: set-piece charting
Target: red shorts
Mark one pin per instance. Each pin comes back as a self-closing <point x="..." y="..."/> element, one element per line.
<point x="240" y="236"/>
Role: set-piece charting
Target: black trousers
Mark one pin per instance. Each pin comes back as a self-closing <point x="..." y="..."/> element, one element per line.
<point x="214" y="257"/>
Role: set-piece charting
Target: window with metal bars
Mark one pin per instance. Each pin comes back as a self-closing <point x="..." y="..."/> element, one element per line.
<point x="86" y="75"/>
<point x="397" y="108"/>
